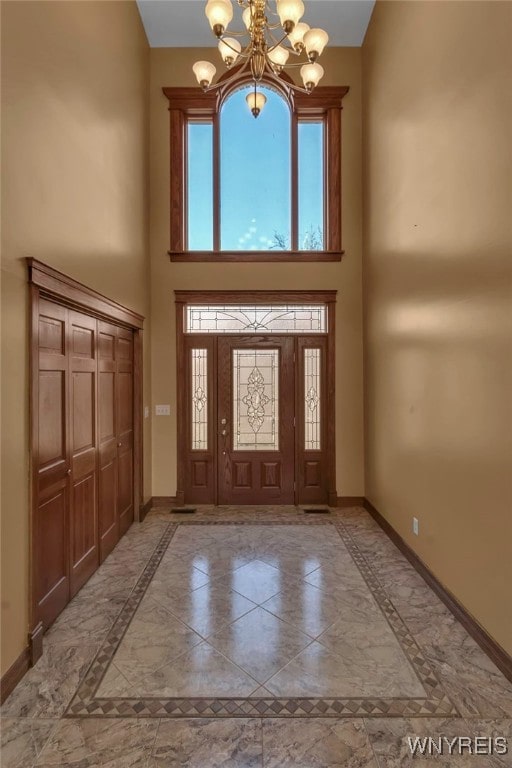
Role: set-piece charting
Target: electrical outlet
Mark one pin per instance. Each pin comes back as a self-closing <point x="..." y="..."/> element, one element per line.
<point x="146" y="411"/>
<point x="415" y="526"/>
<point x="162" y="410"/>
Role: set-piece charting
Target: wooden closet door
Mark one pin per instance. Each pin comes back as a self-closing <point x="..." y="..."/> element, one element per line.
<point x="124" y="398"/>
<point x="51" y="461"/>
<point x="107" y="439"/>
<point x="84" y="546"/>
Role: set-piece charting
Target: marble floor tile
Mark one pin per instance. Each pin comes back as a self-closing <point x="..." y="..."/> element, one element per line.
<point x="47" y="687"/>
<point x="208" y="744"/>
<point x="154" y="638"/>
<point x="260" y="643"/>
<point x="304" y="606"/>
<point x="257" y="581"/>
<point x="473" y="682"/>
<point x="198" y="634"/>
<point x="337" y="581"/>
<point x="293" y="563"/>
<point x="202" y="671"/>
<point x="319" y="743"/>
<point x="115" y="684"/>
<point x="375" y="655"/>
<point x="95" y="743"/>
<point x="22" y="739"/>
<point x="174" y="578"/>
<point x="207" y="609"/>
<point x="390" y="741"/>
<point x="216" y="561"/>
<point x="493" y="729"/>
<point x="318" y="672"/>
<point x="84" y="621"/>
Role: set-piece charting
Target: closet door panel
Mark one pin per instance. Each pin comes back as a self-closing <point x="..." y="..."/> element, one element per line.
<point x="51" y="461"/>
<point x="124" y="396"/>
<point x="107" y="429"/>
<point x="84" y="545"/>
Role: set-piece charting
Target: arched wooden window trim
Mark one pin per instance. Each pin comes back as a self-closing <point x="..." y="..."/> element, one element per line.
<point x="187" y="104"/>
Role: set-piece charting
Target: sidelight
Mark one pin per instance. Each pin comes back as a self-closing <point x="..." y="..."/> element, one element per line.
<point x="312" y="400"/>
<point x="199" y="396"/>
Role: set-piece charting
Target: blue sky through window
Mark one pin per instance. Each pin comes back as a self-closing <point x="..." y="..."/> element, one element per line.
<point x="255" y="173"/>
<point x="255" y="178"/>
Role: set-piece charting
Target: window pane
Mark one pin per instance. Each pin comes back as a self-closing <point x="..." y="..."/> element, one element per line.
<point x="311" y="186"/>
<point x="200" y="187"/>
<point x="199" y="396"/>
<point x="255" y="175"/>
<point x="312" y="399"/>
<point x="229" y="318"/>
<point x="256" y="399"/>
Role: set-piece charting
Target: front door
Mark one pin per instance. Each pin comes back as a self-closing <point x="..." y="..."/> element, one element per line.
<point x="255" y="398"/>
<point x="255" y="420"/>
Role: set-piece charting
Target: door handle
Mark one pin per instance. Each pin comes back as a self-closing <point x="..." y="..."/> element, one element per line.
<point x="223" y="421"/>
<point x="119" y="445"/>
<point x="223" y="433"/>
<point x="68" y="472"/>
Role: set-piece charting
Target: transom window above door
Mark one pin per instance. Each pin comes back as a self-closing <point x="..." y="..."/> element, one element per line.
<point x="256" y="318"/>
<point x="255" y="190"/>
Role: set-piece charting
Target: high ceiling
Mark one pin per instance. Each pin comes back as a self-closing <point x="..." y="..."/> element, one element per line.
<point x="182" y="23"/>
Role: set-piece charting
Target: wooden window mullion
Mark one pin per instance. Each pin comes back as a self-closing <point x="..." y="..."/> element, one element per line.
<point x="294" y="147"/>
<point x="178" y="180"/>
<point x="216" y="182"/>
<point x="333" y="179"/>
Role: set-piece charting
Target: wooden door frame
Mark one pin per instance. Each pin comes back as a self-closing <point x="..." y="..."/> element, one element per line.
<point x="328" y="298"/>
<point x="47" y="283"/>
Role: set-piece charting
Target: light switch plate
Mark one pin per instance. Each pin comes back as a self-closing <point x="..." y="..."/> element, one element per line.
<point x="146" y="411"/>
<point x="162" y="410"/>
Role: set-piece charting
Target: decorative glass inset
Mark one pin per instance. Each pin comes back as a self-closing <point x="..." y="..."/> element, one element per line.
<point x="269" y="318"/>
<point x="256" y="399"/>
<point x="199" y="399"/>
<point x="312" y="399"/>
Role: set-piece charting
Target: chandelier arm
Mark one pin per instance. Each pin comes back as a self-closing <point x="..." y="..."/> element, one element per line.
<point x="270" y="10"/>
<point x="278" y="42"/>
<point x="229" y="80"/>
<point x="244" y="33"/>
<point x="291" y="86"/>
<point x="294" y="66"/>
<point x="245" y="52"/>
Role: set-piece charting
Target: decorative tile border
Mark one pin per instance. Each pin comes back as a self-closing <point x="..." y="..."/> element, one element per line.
<point x="436" y="703"/>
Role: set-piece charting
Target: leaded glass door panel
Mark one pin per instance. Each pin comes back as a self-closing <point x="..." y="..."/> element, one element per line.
<point x="255" y="429"/>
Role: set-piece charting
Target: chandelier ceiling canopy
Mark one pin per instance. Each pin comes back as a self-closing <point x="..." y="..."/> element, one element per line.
<point x="274" y="35"/>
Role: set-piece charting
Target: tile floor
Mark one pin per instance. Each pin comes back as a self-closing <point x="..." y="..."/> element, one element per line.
<point x="254" y="637"/>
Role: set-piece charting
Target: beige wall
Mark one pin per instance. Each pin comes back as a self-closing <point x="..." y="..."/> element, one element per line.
<point x="74" y="195"/>
<point x="172" y="67"/>
<point x="437" y="278"/>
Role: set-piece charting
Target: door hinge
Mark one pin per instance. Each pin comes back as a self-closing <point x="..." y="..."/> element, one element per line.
<point x="294" y="422"/>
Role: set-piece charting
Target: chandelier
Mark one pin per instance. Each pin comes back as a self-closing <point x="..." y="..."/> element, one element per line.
<point x="273" y="33"/>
